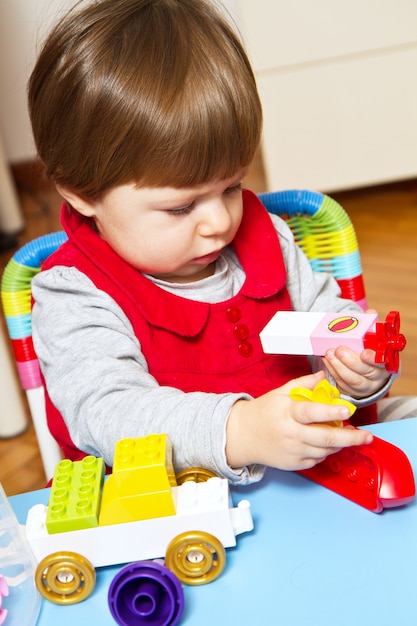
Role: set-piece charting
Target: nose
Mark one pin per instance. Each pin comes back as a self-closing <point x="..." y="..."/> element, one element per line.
<point x="215" y="219"/>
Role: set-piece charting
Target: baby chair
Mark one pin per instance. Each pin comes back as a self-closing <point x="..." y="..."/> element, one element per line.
<point x="324" y="231"/>
<point x="320" y="226"/>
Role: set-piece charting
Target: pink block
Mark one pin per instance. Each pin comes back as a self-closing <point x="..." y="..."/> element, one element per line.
<point x="338" y="329"/>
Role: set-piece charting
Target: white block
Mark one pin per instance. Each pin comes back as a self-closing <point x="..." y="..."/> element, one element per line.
<point x="288" y="332"/>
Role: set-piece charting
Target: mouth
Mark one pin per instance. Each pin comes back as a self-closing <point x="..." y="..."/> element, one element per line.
<point x="207" y="258"/>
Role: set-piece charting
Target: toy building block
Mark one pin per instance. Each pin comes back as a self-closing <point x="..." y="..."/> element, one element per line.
<point x="146" y="593"/>
<point x="376" y="476"/>
<point x="294" y="332"/>
<point x="387" y="341"/>
<point x="144" y="463"/>
<point x="75" y="495"/>
<point x="140" y="486"/>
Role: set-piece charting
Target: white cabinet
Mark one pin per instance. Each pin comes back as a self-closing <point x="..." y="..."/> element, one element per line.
<point x="338" y="87"/>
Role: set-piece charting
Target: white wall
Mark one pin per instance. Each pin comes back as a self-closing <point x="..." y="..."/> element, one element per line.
<point x="337" y="83"/>
<point x="23" y="24"/>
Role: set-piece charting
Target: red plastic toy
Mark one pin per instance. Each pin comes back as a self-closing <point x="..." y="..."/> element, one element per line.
<point x="376" y="476"/>
<point x="387" y="341"/>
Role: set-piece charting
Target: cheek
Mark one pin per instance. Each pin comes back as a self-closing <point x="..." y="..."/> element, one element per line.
<point x="149" y="242"/>
<point x="154" y="249"/>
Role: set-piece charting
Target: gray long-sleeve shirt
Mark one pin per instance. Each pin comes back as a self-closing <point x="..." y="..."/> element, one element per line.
<point x="98" y="378"/>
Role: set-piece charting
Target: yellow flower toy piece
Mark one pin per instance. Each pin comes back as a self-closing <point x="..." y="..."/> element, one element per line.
<point x="325" y="393"/>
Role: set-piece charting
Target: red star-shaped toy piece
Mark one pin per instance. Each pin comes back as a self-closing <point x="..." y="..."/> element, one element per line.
<point x="387" y="341"/>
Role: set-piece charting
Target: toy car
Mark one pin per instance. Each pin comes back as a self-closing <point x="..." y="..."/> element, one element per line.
<point x="142" y="511"/>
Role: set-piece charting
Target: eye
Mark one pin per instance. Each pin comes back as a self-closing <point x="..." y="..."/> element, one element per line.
<point x="184" y="210"/>
<point x="233" y="189"/>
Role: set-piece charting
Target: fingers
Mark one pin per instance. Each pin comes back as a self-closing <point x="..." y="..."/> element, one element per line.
<point x="333" y="438"/>
<point x="319" y="433"/>
<point x="317" y="438"/>
<point x="309" y="413"/>
<point x="345" y="362"/>
<point x="354" y="374"/>
<point x="323" y="441"/>
<point x="278" y="431"/>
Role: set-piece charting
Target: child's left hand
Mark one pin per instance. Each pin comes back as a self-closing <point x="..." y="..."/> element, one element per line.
<point x="355" y="375"/>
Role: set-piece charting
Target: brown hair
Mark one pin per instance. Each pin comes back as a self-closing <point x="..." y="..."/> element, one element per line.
<point x="157" y="92"/>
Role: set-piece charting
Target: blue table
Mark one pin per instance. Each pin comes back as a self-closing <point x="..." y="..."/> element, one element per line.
<point x="313" y="559"/>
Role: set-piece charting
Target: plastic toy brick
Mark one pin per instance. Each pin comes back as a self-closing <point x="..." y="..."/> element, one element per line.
<point x="75" y="495"/>
<point x="387" y="341"/>
<point x="376" y="476"/>
<point x="119" y="509"/>
<point x="294" y="332"/>
<point x="143" y="464"/>
<point x="140" y="486"/>
<point x="146" y="592"/>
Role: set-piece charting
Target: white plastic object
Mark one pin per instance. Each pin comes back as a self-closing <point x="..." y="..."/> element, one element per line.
<point x="200" y="506"/>
<point x="17" y="566"/>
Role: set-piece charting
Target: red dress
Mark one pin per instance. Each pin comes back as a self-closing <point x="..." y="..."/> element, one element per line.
<point x="189" y="345"/>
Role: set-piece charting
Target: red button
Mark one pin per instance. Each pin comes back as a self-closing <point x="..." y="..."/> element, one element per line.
<point x="233" y="314"/>
<point x="245" y="348"/>
<point x="241" y="331"/>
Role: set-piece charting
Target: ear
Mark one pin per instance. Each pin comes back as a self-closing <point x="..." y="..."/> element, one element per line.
<point x="79" y="203"/>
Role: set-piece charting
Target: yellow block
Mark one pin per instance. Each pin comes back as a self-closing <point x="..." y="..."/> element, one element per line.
<point x="140" y="486"/>
<point x="143" y="465"/>
<point x="116" y="509"/>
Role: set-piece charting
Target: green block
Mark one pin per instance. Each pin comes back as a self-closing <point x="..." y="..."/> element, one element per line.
<point x="75" y="498"/>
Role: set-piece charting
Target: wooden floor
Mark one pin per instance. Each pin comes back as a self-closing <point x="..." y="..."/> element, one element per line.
<point x="385" y="219"/>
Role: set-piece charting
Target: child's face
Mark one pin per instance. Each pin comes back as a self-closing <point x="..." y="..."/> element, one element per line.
<point x="173" y="234"/>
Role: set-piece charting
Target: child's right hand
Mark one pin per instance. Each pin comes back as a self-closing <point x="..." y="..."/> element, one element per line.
<point x="277" y="431"/>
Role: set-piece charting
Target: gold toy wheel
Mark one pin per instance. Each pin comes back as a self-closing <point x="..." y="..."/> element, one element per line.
<point x="195" y="557"/>
<point x="65" y="578"/>
<point x="195" y="474"/>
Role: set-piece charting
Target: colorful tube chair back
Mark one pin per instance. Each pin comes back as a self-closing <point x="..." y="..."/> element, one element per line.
<point x="17" y="300"/>
<point x="323" y="229"/>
